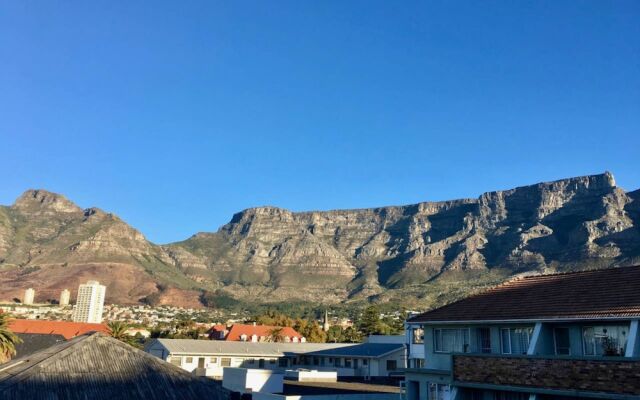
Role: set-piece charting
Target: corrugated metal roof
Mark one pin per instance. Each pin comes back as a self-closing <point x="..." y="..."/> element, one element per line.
<point x="100" y="367"/>
<point x="216" y="347"/>
<point x="213" y="347"/>
<point x="605" y="293"/>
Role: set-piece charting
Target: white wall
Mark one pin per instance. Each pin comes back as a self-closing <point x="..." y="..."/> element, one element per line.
<point x="252" y="380"/>
<point x="362" y="396"/>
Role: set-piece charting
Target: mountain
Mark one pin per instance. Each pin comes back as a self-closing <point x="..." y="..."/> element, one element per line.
<point x="423" y="254"/>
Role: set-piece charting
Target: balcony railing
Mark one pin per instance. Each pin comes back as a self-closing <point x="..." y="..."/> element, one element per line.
<point x="615" y="375"/>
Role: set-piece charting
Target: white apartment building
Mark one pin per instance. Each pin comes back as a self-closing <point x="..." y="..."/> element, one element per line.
<point x="29" y="296"/>
<point x="65" y="295"/>
<point x="90" y="303"/>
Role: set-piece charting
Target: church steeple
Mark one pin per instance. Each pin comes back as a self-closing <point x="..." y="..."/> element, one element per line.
<point x="326" y="325"/>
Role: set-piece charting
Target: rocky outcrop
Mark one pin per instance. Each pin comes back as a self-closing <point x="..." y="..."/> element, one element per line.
<point x="271" y="254"/>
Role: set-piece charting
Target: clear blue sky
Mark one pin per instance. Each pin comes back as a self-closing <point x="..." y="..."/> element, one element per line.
<point x="175" y="115"/>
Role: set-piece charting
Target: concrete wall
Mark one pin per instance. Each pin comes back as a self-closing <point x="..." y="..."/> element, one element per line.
<point x="312" y="376"/>
<point x="252" y="380"/>
<point x="363" y="396"/>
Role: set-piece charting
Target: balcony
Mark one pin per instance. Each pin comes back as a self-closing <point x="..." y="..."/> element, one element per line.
<point x="613" y="375"/>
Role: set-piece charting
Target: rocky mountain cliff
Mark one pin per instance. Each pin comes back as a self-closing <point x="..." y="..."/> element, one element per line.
<point x="412" y="252"/>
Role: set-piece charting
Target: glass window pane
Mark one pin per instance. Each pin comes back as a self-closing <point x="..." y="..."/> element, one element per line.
<point x="505" y="340"/>
<point x="563" y="346"/>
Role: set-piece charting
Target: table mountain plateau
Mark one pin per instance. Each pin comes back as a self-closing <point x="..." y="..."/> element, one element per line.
<point x="422" y="254"/>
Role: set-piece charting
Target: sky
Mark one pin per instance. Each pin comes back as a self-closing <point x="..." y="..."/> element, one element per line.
<point x="175" y="115"/>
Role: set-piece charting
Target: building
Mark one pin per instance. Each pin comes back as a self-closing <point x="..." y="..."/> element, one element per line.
<point x="99" y="367"/>
<point x="562" y="336"/>
<point x="65" y="295"/>
<point x="256" y="333"/>
<point x="90" y="303"/>
<point x="210" y="357"/>
<point x="67" y="329"/>
<point x="29" y="296"/>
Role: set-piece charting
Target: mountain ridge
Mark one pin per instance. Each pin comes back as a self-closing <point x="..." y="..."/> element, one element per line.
<point x="415" y="251"/>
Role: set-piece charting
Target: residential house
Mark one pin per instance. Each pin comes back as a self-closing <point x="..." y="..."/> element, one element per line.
<point x="561" y="336"/>
<point x="66" y="329"/>
<point x="256" y="333"/>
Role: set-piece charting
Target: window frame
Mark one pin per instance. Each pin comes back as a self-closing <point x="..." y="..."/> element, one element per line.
<point x="555" y="340"/>
<point x="414" y="339"/>
<point x="225" y="360"/>
<point x="435" y="340"/>
<point x="510" y="332"/>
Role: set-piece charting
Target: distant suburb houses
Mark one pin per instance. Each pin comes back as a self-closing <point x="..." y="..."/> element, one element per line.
<point x="562" y="336"/>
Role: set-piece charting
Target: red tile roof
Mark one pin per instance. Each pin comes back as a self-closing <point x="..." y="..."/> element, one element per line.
<point x="64" y="328"/>
<point x="605" y="293"/>
<point x="237" y="330"/>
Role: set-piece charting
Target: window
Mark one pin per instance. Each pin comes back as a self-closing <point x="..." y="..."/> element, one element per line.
<point x="365" y="361"/>
<point x="282" y="362"/>
<point x="515" y="340"/>
<point x="451" y="340"/>
<point x="251" y="361"/>
<point x="176" y="361"/>
<point x="392" y="365"/>
<point x="561" y="339"/>
<point x="484" y="340"/>
<point x="510" y="396"/>
<point x="189" y="360"/>
<point x="439" y="392"/>
<point x="607" y="340"/>
<point x="347" y="363"/>
<point x="418" y="363"/>
<point x="225" y="362"/>
<point x="316" y="361"/>
<point x="213" y="360"/>
<point x="418" y="336"/>
<point x="336" y="362"/>
<point x="272" y="361"/>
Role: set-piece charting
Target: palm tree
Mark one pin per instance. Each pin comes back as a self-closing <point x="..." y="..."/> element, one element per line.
<point x="276" y="335"/>
<point x="8" y="339"/>
<point x="117" y="330"/>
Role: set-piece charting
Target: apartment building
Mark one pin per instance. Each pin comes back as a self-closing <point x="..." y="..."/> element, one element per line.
<point x="90" y="303"/>
<point x="562" y="336"/>
<point x="210" y="357"/>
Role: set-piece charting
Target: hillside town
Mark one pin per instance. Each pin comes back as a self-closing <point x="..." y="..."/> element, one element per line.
<point x="580" y="339"/>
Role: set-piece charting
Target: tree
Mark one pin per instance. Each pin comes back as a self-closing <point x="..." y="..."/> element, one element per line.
<point x="117" y="330"/>
<point x="351" y="335"/>
<point x="371" y="324"/>
<point x="335" y="334"/>
<point x="8" y="339"/>
<point x="275" y="335"/>
<point x="312" y="331"/>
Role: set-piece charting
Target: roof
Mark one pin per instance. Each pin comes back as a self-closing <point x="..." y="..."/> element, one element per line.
<point x="218" y="347"/>
<point x="65" y="328"/>
<point x="34" y="342"/>
<point x="99" y="367"/>
<point x="360" y="350"/>
<point x="237" y="330"/>
<point x="606" y="293"/>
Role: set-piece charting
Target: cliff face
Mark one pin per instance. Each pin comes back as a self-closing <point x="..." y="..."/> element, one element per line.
<point x="571" y="223"/>
<point x="270" y="254"/>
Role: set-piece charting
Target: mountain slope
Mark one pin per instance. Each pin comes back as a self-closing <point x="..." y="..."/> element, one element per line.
<point x="422" y="251"/>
